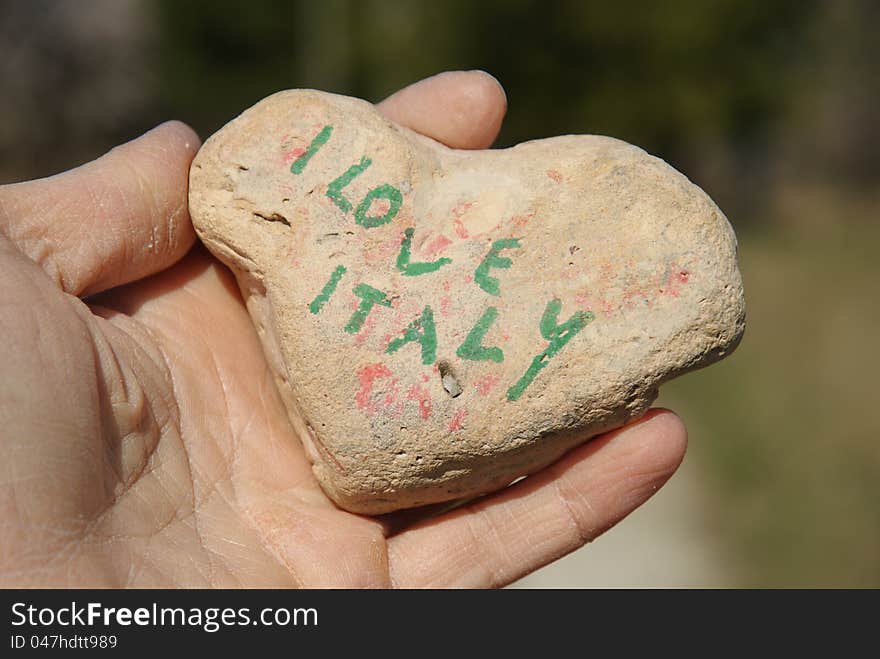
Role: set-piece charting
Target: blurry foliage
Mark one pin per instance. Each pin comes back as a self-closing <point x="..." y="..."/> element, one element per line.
<point x="680" y="78"/>
<point x="651" y="73"/>
<point x="73" y="82"/>
<point x="788" y="425"/>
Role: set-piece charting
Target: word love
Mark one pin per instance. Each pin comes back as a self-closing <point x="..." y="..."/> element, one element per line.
<point x="422" y="330"/>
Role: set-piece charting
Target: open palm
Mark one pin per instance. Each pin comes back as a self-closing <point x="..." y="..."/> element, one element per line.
<point x="143" y="442"/>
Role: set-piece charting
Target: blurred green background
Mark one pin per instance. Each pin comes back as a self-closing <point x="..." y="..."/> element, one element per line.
<point x="771" y="106"/>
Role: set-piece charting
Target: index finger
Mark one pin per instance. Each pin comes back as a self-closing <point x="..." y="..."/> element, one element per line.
<point x="461" y="109"/>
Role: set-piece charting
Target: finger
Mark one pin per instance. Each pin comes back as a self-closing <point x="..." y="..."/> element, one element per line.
<point x="497" y="540"/>
<point x="114" y="220"/>
<point x="461" y="109"/>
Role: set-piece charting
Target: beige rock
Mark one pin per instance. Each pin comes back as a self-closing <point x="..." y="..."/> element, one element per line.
<point x="442" y="322"/>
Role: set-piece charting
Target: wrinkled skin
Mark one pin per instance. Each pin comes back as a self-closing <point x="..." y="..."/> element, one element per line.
<point x="143" y="443"/>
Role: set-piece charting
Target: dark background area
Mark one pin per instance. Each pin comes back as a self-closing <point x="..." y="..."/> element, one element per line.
<point x="770" y="106"/>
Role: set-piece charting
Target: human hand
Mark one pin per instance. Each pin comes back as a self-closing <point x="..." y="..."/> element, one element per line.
<point x="143" y="442"/>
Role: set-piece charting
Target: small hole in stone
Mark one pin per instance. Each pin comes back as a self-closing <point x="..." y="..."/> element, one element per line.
<point x="573" y="249"/>
<point x="448" y="379"/>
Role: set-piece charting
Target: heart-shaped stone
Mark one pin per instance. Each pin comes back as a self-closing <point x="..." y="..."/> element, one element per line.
<point x="442" y="322"/>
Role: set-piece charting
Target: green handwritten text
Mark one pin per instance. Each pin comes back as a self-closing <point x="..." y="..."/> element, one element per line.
<point x="422" y="331"/>
<point x="472" y="348"/>
<point x="492" y="260"/>
<point x="320" y="140"/>
<point x="370" y="297"/>
<point x="334" y="190"/>
<point x="395" y="201"/>
<point x="415" y="269"/>
<point x="557" y="335"/>
<point x="328" y="290"/>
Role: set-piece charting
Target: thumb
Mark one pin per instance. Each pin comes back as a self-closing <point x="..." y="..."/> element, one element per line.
<point x="111" y="221"/>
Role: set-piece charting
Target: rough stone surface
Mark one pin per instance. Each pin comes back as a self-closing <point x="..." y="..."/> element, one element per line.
<point x="442" y="322"/>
